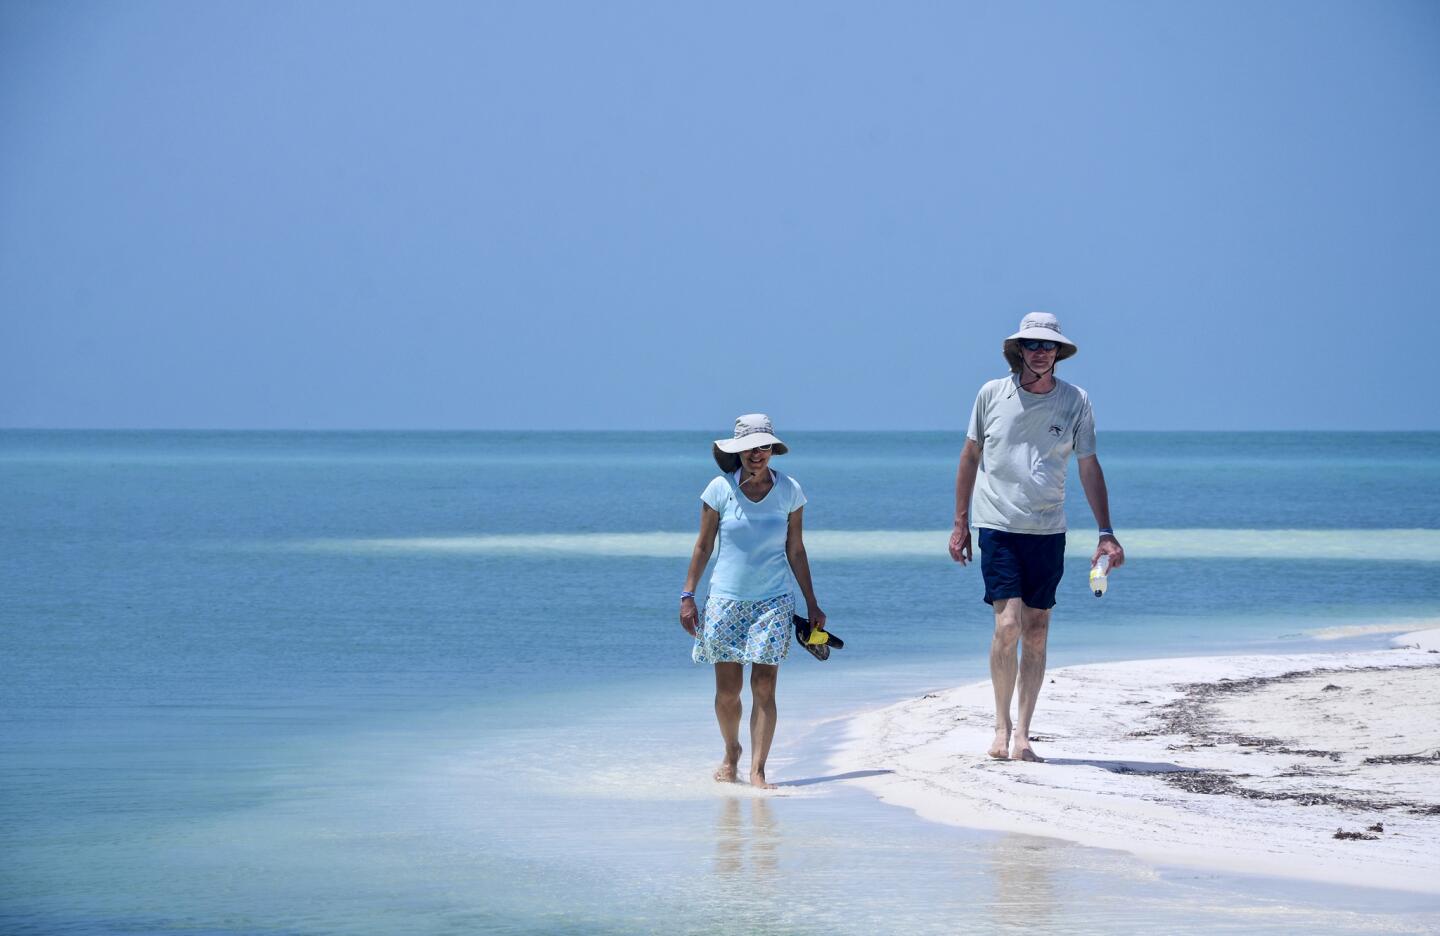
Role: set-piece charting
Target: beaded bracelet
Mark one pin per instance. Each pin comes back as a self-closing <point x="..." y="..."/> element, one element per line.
<point x="685" y="594"/>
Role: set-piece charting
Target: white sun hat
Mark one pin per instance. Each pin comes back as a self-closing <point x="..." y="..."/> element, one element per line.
<point x="752" y="431"/>
<point x="1039" y="326"/>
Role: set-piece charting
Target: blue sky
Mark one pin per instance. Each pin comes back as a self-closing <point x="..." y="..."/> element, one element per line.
<point x="658" y="215"/>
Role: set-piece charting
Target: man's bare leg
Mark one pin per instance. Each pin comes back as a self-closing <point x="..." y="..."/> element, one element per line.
<point x="1002" y="670"/>
<point x="1034" y="636"/>
<point x="763" y="713"/>
<point x="729" y="679"/>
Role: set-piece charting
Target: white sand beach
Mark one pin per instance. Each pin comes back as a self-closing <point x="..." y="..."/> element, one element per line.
<point x="1322" y="766"/>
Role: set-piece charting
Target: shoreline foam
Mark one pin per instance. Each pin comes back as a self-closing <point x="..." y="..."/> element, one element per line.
<point x="1244" y="763"/>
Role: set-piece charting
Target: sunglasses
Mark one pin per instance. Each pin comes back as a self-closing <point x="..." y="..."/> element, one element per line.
<point x="761" y="448"/>
<point x="1033" y="345"/>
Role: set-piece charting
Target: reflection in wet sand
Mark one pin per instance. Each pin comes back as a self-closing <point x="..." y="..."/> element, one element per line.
<point x="729" y="839"/>
<point x="765" y="847"/>
<point x="1024" y="870"/>
<point x="747" y="853"/>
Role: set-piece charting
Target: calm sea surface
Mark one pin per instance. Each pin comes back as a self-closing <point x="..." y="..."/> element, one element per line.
<point x="299" y="683"/>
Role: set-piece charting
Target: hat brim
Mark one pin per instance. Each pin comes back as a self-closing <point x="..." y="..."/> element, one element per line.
<point x="754" y="440"/>
<point x="1040" y="333"/>
<point x="1066" y="347"/>
<point x="1011" y="347"/>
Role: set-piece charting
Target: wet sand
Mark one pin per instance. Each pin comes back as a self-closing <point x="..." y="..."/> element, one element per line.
<point x="1321" y="766"/>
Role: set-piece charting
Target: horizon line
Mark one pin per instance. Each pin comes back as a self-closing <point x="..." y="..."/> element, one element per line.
<point x="555" y="431"/>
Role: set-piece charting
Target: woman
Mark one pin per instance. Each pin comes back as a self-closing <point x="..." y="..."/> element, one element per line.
<point x="756" y="512"/>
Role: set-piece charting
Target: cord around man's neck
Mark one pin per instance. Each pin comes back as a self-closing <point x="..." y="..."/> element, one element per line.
<point x="1050" y="371"/>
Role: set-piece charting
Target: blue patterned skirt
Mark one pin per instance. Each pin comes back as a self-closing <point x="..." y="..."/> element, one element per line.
<point x="745" y="631"/>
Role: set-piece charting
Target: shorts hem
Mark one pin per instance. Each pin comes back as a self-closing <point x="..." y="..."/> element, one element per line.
<point x="991" y="599"/>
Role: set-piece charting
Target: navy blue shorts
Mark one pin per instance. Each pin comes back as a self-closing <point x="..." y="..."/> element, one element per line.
<point x="1027" y="566"/>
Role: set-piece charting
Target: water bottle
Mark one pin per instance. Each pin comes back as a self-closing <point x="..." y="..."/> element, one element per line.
<point x="1100" y="576"/>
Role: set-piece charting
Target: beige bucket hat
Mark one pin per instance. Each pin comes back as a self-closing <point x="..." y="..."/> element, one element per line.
<point x="751" y="431"/>
<point x="1040" y="326"/>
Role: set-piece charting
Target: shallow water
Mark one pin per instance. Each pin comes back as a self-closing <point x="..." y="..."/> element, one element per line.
<point x="452" y="823"/>
<point x="226" y="709"/>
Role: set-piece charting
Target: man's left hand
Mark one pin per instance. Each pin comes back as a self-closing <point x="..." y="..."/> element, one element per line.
<point x="1109" y="546"/>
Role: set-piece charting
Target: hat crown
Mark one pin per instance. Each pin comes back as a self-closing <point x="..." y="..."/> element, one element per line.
<point x="753" y="423"/>
<point x="1040" y="320"/>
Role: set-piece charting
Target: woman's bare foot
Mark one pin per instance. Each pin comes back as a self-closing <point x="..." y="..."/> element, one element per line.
<point x="729" y="769"/>
<point x="1022" y="750"/>
<point x="757" y="779"/>
<point x="1000" y="747"/>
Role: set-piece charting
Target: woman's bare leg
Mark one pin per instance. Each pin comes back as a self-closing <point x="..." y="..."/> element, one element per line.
<point x="762" y="719"/>
<point x="729" y="679"/>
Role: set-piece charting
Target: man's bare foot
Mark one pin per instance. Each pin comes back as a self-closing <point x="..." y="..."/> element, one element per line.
<point x="1022" y="751"/>
<point x="757" y="779"/>
<point x="1000" y="747"/>
<point x="729" y="769"/>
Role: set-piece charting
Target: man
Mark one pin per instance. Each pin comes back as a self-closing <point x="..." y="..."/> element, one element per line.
<point x="1022" y="432"/>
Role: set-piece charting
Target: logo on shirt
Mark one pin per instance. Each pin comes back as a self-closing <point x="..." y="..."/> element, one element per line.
<point x="1056" y="430"/>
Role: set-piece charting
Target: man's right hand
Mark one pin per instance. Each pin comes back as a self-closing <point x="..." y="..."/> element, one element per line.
<point x="960" y="545"/>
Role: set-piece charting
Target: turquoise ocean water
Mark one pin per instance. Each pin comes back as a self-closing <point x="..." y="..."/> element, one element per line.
<point x="294" y="683"/>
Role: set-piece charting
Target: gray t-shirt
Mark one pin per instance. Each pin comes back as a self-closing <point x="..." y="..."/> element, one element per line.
<point x="1026" y="440"/>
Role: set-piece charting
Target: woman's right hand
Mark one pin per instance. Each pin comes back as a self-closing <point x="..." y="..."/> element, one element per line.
<point x="689" y="616"/>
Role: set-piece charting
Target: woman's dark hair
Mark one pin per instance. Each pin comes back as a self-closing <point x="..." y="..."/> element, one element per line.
<point x="729" y="462"/>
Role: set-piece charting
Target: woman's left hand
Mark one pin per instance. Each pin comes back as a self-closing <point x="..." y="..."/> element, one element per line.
<point x="817" y="619"/>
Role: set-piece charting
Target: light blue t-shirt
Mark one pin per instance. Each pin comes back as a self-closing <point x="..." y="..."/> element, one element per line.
<point x="750" y="563"/>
